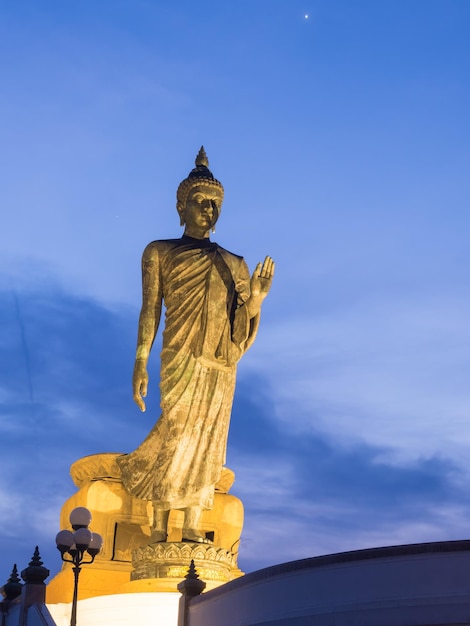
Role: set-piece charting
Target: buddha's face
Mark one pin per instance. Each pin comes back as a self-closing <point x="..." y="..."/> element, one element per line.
<point x="202" y="210"/>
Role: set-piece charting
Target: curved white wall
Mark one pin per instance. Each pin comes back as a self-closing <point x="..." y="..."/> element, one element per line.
<point x="397" y="586"/>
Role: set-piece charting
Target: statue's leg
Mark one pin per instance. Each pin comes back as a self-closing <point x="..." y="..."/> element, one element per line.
<point x="160" y="524"/>
<point x="191" y="532"/>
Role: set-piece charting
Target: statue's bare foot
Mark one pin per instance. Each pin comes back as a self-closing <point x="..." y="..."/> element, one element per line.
<point x="158" y="536"/>
<point x="190" y="535"/>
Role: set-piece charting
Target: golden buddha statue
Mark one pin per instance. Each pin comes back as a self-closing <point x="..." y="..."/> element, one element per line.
<point x="212" y="316"/>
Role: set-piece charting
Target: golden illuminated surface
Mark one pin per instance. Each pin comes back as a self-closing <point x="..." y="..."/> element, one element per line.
<point x="125" y="522"/>
<point x="213" y="307"/>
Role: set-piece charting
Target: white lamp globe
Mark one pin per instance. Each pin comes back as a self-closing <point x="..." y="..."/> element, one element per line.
<point x="80" y="517"/>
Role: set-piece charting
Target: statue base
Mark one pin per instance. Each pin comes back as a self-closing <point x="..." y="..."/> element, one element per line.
<point x="161" y="566"/>
<point x="127" y="562"/>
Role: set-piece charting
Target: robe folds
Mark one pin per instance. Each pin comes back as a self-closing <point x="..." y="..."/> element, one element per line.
<point x="207" y="330"/>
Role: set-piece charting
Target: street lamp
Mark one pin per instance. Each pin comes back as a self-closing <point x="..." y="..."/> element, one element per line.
<point x="78" y="545"/>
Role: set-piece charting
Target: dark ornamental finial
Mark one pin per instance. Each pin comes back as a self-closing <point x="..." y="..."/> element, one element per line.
<point x="12" y="589"/>
<point x="191" y="586"/>
<point x="36" y="560"/>
<point x="192" y="572"/>
<point x="35" y="573"/>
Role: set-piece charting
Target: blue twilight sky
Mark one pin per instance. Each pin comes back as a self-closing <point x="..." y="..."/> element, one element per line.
<point x="342" y="140"/>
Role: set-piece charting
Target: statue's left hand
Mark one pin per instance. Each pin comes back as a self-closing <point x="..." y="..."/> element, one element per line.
<point x="262" y="279"/>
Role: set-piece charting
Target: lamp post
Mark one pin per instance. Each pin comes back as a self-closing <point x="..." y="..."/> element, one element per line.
<point x="78" y="545"/>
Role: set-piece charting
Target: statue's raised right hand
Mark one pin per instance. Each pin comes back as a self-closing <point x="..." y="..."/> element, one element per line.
<point x="140" y="381"/>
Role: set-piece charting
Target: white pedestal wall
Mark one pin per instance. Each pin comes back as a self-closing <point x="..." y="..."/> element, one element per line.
<point x="130" y="609"/>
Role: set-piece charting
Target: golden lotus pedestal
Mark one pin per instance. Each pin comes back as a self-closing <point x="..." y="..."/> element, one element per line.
<point x="127" y="562"/>
<point x="161" y="566"/>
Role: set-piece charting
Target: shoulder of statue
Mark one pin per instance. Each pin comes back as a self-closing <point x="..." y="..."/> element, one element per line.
<point x="227" y="253"/>
<point x="159" y="247"/>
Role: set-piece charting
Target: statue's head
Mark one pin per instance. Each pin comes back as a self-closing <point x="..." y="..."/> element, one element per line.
<point x="199" y="183"/>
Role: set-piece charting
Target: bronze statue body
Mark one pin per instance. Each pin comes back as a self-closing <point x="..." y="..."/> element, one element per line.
<point x="212" y="316"/>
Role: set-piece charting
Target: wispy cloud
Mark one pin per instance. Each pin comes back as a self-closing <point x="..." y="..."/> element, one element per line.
<point x="384" y="373"/>
<point x="306" y="493"/>
<point x="344" y="453"/>
<point x="77" y="371"/>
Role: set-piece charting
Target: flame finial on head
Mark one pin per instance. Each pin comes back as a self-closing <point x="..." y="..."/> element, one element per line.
<point x="201" y="158"/>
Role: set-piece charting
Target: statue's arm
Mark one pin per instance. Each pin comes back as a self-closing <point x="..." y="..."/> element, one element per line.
<point x="251" y="292"/>
<point x="148" y="321"/>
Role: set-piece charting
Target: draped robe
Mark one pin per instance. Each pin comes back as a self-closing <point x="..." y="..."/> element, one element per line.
<point x="207" y="330"/>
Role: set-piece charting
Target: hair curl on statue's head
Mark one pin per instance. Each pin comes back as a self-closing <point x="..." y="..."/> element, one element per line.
<point x="200" y="175"/>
